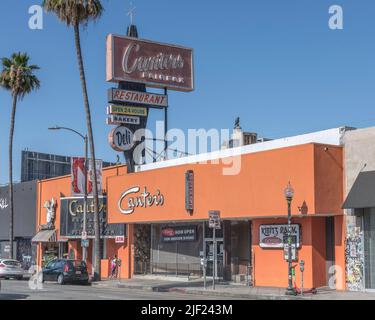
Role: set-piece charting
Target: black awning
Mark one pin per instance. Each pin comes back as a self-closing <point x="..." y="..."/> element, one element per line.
<point x="362" y="193"/>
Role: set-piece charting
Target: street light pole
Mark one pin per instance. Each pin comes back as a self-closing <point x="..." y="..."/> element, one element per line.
<point x="289" y="192"/>
<point x="84" y="227"/>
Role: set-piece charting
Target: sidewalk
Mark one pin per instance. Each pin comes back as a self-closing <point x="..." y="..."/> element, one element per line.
<point x="232" y="291"/>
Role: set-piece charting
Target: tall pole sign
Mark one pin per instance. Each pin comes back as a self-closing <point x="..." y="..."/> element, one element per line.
<point x="135" y="64"/>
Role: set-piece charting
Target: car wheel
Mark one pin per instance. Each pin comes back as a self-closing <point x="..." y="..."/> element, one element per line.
<point x="19" y="278"/>
<point x="85" y="283"/>
<point x="60" y="279"/>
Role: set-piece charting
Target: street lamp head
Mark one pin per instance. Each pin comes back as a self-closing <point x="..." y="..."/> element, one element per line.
<point x="54" y="128"/>
<point x="289" y="192"/>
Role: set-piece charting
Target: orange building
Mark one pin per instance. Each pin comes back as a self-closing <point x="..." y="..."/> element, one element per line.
<point x="55" y="241"/>
<point x="172" y="240"/>
<point x="166" y="206"/>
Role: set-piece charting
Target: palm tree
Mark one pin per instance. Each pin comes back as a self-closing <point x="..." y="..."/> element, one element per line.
<point x="75" y="13"/>
<point x="17" y="77"/>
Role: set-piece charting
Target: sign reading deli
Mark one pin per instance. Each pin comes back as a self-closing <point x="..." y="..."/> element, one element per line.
<point x="152" y="63"/>
<point x="149" y="99"/>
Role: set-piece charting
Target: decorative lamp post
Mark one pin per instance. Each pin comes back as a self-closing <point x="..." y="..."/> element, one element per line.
<point x="289" y="193"/>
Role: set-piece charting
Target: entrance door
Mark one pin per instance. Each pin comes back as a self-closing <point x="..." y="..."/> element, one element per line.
<point x="209" y="246"/>
<point x="369" y="247"/>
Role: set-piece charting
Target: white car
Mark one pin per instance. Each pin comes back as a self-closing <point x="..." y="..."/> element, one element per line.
<point x="11" y="269"/>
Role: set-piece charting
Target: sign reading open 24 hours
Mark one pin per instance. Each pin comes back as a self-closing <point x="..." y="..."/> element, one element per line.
<point x="276" y="235"/>
<point x="121" y="138"/>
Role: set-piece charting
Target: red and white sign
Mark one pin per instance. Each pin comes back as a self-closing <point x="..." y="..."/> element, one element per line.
<point x="146" y="98"/>
<point x="120" y="239"/>
<point x="78" y="176"/>
<point x="154" y="64"/>
<point x="99" y="177"/>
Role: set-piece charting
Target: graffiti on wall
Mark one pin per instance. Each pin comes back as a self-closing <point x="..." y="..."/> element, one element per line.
<point x="354" y="259"/>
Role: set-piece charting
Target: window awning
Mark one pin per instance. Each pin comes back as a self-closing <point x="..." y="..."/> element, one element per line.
<point x="45" y="236"/>
<point x="362" y="193"/>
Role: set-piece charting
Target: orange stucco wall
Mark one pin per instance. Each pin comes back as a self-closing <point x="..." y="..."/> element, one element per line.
<point x="257" y="191"/>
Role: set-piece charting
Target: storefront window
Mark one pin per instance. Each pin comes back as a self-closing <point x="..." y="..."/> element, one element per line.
<point x="177" y="249"/>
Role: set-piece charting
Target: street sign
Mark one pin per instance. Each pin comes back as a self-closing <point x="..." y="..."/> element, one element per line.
<point x="120" y="119"/>
<point x="84" y="235"/>
<point x="214" y="219"/>
<point x="146" y="98"/>
<point x="127" y="110"/>
<point x="121" y="139"/>
<point x="286" y="252"/>
<point x="120" y="239"/>
<point x="84" y="243"/>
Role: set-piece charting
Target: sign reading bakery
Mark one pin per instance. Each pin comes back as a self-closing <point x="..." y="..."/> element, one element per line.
<point x="154" y="64"/>
<point x="276" y="235"/>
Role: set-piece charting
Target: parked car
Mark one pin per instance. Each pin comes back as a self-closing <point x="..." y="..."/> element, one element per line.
<point x="10" y="268"/>
<point x="65" y="271"/>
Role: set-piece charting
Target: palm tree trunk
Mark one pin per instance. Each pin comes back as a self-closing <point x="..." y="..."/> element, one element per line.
<point x="97" y="257"/>
<point x="11" y="204"/>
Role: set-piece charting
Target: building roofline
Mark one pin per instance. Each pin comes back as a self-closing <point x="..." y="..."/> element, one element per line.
<point x="325" y="137"/>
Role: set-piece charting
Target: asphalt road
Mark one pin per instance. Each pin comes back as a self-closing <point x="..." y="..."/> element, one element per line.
<point x="19" y="290"/>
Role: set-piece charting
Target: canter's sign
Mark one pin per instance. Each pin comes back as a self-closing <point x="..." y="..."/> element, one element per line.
<point x="154" y="64"/>
<point x="150" y="99"/>
<point x="127" y="110"/>
<point x="118" y="119"/>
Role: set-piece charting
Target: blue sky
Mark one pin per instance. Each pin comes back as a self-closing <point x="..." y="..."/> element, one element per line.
<point x="274" y="63"/>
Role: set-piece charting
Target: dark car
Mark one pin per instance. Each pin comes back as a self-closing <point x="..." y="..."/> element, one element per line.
<point x="65" y="271"/>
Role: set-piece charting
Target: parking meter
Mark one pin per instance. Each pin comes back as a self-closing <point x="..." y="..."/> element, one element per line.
<point x="204" y="262"/>
<point x="302" y="265"/>
<point x="302" y="268"/>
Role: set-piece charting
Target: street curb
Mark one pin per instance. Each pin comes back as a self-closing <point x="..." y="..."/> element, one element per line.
<point x="204" y="292"/>
<point x="231" y="295"/>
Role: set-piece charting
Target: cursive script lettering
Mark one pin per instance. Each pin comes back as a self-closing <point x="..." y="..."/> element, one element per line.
<point x="77" y="207"/>
<point x="144" y="200"/>
<point x="161" y="61"/>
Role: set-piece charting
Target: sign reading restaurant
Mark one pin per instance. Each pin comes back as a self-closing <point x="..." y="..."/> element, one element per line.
<point x="154" y="64"/>
<point x="146" y="98"/>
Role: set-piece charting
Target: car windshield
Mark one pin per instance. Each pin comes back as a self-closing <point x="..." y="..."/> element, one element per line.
<point x="11" y="263"/>
<point x="78" y="264"/>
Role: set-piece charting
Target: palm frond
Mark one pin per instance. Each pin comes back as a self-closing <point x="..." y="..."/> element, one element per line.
<point x="17" y="75"/>
<point x="74" y="11"/>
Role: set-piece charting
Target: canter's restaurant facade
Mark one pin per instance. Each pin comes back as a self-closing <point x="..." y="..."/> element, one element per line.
<point x="165" y="235"/>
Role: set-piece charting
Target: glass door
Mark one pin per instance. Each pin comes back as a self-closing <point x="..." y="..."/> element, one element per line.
<point x="369" y="247"/>
<point x="210" y="258"/>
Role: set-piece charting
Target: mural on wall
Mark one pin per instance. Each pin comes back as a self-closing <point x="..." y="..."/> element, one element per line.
<point x="354" y="258"/>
